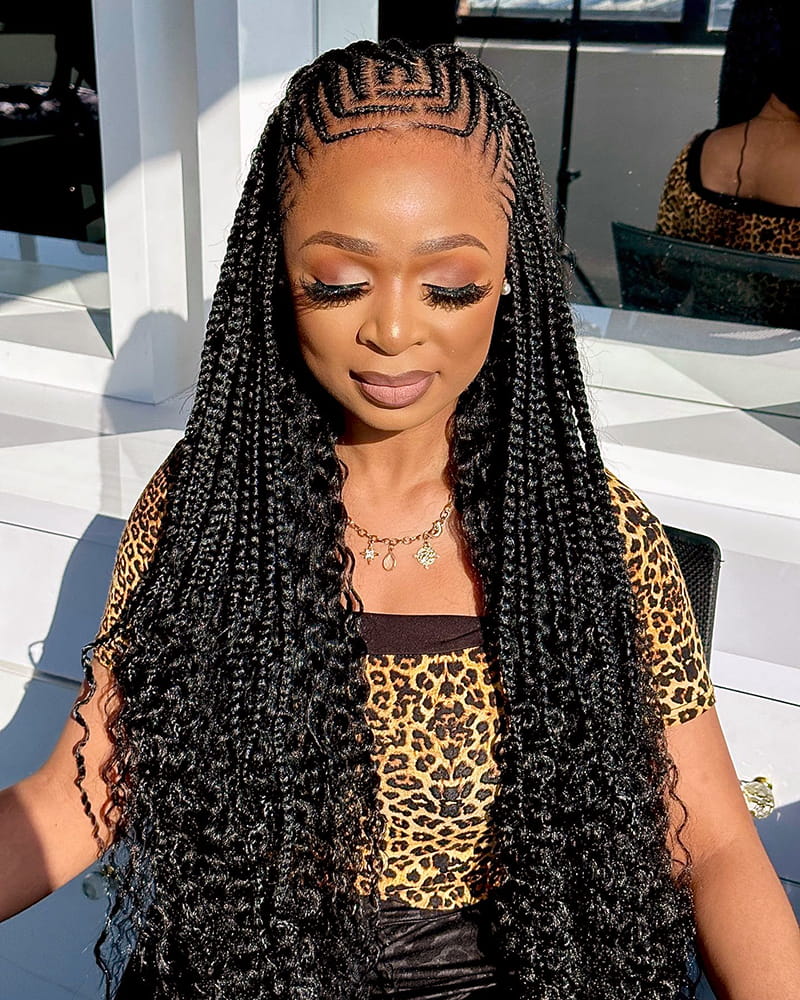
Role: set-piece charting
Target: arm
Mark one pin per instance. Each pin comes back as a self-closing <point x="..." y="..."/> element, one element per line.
<point x="46" y="836"/>
<point x="747" y="932"/>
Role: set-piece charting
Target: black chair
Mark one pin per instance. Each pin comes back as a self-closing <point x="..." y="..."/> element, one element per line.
<point x="663" y="274"/>
<point x="699" y="558"/>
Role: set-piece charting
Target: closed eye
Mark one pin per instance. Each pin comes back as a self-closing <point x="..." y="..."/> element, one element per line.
<point x="318" y="293"/>
<point x="444" y="297"/>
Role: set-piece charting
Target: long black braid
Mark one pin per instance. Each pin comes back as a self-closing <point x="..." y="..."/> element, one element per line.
<point x="762" y="48"/>
<point x="247" y="848"/>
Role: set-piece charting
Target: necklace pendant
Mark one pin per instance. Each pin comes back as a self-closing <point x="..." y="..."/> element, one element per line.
<point x="426" y="555"/>
<point x="369" y="553"/>
<point x="389" y="562"/>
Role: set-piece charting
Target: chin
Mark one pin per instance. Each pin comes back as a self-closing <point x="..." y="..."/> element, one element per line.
<point x="392" y="420"/>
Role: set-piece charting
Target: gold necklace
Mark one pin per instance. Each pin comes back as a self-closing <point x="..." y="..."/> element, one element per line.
<point x="426" y="555"/>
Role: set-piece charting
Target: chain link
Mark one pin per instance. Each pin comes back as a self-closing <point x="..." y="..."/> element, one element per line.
<point x="433" y="532"/>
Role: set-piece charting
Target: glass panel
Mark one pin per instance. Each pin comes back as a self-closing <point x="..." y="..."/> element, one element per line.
<point x="719" y="15"/>
<point x="718" y="327"/>
<point x="49" y="132"/>
<point x="633" y="10"/>
<point x="52" y="228"/>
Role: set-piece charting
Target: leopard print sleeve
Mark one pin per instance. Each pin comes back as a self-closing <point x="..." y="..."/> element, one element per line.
<point x="673" y="648"/>
<point x="135" y="552"/>
<point x="670" y="220"/>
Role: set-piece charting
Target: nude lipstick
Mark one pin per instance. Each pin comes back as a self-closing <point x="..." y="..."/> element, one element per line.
<point x="393" y="391"/>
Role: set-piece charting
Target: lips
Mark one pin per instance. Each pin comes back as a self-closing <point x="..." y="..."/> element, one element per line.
<point x="393" y="391"/>
<point x="378" y="378"/>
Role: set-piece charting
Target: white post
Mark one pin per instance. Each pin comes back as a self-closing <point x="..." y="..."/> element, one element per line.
<point x="148" y="113"/>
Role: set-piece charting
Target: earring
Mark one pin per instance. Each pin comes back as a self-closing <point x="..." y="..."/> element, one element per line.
<point x="506" y="289"/>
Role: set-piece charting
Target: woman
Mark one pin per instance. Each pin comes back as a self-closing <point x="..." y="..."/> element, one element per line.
<point x="393" y="676"/>
<point x="738" y="185"/>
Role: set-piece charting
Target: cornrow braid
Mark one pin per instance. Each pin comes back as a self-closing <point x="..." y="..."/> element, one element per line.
<point x="247" y="851"/>
<point x="439" y="89"/>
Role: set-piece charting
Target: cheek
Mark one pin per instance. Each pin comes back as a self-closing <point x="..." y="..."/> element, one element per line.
<point x="322" y="345"/>
<point x="318" y="332"/>
<point x="469" y="337"/>
<point x="316" y="353"/>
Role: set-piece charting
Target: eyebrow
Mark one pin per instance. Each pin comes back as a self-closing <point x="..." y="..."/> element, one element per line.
<point x="449" y="243"/>
<point x="367" y="249"/>
<point x="343" y="242"/>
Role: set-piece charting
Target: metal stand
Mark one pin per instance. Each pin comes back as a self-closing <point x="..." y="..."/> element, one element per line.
<point x="566" y="176"/>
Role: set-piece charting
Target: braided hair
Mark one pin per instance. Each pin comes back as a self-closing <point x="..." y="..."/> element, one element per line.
<point x="762" y="49"/>
<point x="247" y="842"/>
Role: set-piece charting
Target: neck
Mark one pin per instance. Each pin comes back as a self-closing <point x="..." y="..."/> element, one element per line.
<point x="380" y="460"/>
<point x="395" y="475"/>
<point x="776" y="111"/>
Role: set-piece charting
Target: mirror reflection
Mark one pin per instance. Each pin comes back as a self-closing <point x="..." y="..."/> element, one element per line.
<point x="730" y="205"/>
<point x="49" y="133"/>
<point x="52" y="228"/>
<point x="735" y="187"/>
<point x="657" y="226"/>
<point x="657" y="10"/>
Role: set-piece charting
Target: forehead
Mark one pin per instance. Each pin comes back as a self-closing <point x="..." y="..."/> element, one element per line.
<point x="394" y="176"/>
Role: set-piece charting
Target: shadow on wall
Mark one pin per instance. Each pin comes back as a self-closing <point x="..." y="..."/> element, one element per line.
<point x="80" y="602"/>
<point x="128" y="453"/>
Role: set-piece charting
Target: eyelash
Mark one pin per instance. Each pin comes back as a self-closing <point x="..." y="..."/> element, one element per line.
<point x="456" y="298"/>
<point x="331" y="295"/>
<point x="439" y="296"/>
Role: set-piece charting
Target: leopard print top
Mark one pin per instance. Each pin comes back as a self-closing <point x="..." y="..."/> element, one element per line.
<point x="689" y="211"/>
<point x="435" y="704"/>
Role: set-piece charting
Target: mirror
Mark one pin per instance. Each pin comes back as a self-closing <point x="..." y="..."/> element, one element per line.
<point x="645" y="77"/>
<point x="52" y="232"/>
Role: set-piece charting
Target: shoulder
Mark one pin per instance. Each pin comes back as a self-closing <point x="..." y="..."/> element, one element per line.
<point x="651" y="563"/>
<point x="143" y="526"/>
<point x="648" y="552"/>
<point x="721" y="153"/>
<point x="633" y="516"/>
<point x="671" y="643"/>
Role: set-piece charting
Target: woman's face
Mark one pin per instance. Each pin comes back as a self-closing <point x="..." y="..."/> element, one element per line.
<point x="395" y="246"/>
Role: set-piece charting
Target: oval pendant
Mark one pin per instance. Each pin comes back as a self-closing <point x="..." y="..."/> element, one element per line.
<point x="389" y="562"/>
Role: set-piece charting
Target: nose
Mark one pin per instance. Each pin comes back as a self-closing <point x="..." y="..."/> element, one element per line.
<point x="393" y="324"/>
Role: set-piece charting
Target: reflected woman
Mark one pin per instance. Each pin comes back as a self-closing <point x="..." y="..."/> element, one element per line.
<point x="398" y="691"/>
<point x="738" y="185"/>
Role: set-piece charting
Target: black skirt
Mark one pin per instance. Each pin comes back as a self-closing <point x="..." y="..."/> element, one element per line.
<point x="425" y="955"/>
<point x="437" y="954"/>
